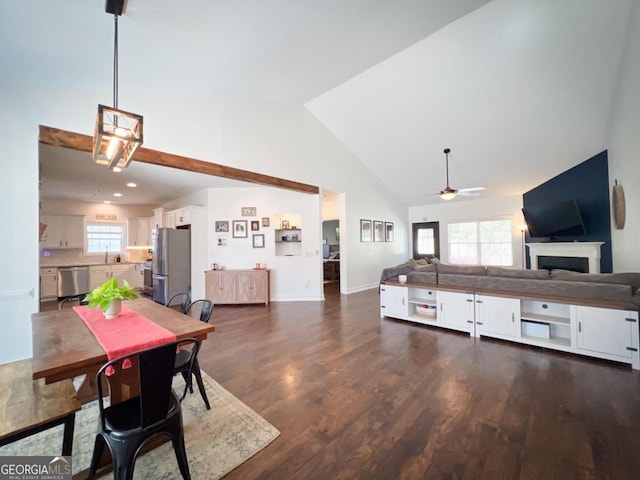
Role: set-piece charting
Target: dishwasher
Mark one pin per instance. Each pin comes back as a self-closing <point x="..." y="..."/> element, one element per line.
<point x="73" y="281"/>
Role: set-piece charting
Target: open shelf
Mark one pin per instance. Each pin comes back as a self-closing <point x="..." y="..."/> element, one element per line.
<point x="542" y="342"/>
<point x="540" y="318"/>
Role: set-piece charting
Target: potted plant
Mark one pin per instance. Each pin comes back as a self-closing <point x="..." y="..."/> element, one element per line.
<point x="109" y="296"/>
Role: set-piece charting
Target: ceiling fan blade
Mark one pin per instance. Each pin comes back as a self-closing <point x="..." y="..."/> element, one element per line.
<point x="471" y="191"/>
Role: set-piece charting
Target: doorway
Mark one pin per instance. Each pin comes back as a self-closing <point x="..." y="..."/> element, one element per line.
<point x="331" y="254"/>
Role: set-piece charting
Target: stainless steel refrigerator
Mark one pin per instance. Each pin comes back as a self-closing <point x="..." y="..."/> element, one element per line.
<point x="171" y="263"/>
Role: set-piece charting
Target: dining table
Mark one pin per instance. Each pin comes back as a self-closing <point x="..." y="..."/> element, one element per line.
<point x="64" y="346"/>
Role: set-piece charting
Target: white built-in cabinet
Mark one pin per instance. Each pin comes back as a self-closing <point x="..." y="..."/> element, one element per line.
<point x="608" y="333"/>
<point x="497" y="316"/>
<point x="455" y="310"/>
<point x="611" y="334"/>
<point x="63" y="231"/>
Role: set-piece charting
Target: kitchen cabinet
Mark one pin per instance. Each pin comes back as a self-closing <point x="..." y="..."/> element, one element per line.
<point x="131" y="272"/>
<point x="182" y="216"/>
<point x="497" y="316"/>
<point x="139" y="232"/>
<point x="456" y="311"/>
<point x="136" y="276"/>
<point x="170" y="220"/>
<point x="63" y="231"/>
<point x="607" y="333"/>
<point x="98" y="274"/>
<point x="237" y="286"/>
<point x="48" y="283"/>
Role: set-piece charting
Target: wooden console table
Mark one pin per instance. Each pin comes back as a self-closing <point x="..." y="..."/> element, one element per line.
<point x="237" y="286"/>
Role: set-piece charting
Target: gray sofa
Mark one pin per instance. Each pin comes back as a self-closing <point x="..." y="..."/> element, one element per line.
<point x="610" y="287"/>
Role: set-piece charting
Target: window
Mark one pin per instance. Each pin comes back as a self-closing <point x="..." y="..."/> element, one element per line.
<point x="103" y="237"/>
<point x="426" y="240"/>
<point x="481" y="243"/>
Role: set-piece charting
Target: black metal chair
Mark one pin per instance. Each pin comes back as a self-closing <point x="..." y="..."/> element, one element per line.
<point x="184" y="299"/>
<point x="71" y="301"/>
<point x="206" y="309"/>
<point x="125" y="426"/>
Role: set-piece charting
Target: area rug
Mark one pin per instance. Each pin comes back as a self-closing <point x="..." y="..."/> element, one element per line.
<point x="216" y="440"/>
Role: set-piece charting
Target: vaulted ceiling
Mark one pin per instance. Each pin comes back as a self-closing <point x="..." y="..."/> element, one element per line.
<point x="520" y="90"/>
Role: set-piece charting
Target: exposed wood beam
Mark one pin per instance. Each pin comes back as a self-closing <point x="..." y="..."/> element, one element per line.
<point x="84" y="143"/>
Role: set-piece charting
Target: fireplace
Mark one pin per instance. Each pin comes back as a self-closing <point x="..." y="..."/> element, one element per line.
<point x="576" y="264"/>
<point x="578" y="256"/>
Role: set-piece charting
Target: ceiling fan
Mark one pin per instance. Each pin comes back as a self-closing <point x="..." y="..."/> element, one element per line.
<point x="449" y="193"/>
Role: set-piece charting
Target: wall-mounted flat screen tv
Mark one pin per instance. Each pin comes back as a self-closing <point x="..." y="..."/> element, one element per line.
<point x="557" y="220"/>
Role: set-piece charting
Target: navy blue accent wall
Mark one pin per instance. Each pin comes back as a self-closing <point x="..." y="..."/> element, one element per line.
<point x="588" y="184"/>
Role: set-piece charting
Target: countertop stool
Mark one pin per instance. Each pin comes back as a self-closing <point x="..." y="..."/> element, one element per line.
<point x="29" y="406"/>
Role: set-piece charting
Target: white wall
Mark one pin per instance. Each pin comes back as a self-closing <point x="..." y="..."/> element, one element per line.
<point x="292" y="277"/>
<point x="624" y="151"/>
<point x="472" y="210"/>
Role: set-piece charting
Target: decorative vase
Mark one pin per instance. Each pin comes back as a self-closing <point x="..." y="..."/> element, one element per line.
<point x="114" y="310"/>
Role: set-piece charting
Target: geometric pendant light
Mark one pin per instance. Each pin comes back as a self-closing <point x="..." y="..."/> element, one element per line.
<point x="117" y="134"/>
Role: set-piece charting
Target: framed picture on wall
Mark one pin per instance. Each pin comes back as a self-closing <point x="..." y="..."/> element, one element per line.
<point x="222" y="226"/>
<point x="388" y="231"/>
<point x="240" y="229"/>
<point x="248" y="211"/>
<point x="255" y="225"/>
<point x="365" y="231"/>
<point x="378" y="231"/>
<point x="265" y="221"/>
<point x="258" y="240"/>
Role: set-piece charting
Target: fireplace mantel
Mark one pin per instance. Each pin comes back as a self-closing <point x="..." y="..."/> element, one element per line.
<point x="589" y="250"/>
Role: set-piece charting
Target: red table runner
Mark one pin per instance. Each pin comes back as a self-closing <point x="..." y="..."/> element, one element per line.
<point x="127" y="333"/>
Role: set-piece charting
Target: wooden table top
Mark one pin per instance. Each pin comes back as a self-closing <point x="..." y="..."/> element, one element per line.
<point x="64" y="347"/>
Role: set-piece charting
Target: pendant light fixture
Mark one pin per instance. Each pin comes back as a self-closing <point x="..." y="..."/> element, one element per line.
<point x="447" y="193"/>
<point x="117" y="134"/>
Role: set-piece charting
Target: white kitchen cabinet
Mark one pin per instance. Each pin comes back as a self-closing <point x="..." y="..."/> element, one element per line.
<point x="394" y="301"/>
<point x="48" y="283"/>
<point x="456" y="311"/>
<point x="170" y="219"/>
<point x="98" y="274"/>
<point x="136" y="276"/>
<point x="131" y="272"/>
<point x="497" y="316"/>
<point x="182" y="216"/>
<point x="63" y="231"/>
<point x="139" y="232"/>
<point x="608" y="333"/>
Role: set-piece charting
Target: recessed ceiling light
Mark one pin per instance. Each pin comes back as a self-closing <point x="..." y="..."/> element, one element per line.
<point x="132" y="185"/>
<point x="117" y="194"/>
<point x="117" y="169"/>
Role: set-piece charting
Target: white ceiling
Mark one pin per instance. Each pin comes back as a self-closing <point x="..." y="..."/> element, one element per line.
<point x="520" y="90"/>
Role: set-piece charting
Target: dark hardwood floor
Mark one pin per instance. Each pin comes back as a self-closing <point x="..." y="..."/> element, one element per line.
<point x="356" y="396"/>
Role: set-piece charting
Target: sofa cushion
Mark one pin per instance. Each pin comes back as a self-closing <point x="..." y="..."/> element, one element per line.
<point x="517" y="273"/>
<point x="630" y="278"/>
<point x="422" y="261"/>
<point x="392" y="272"/>
<point x="430" y="278"/>
<point x="426" y="268"/>
<point x="462" y="269"/>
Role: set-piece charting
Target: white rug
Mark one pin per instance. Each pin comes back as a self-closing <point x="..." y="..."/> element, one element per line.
<point x="216" y="440"/>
